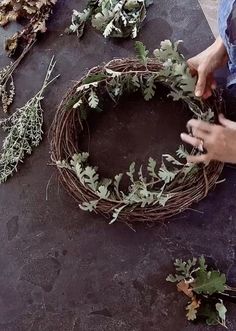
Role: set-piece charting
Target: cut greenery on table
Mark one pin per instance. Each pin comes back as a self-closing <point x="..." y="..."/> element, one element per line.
<point x="114" y="18"/>
<point x="24" y="131"/>
<point x="35" y="12"/>
<point x="153" y="193"/>
<point x="206" y="289"/>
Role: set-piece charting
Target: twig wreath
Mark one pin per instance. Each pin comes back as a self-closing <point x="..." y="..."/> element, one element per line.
<point x="117" y="18"/>
<point x="164" y="192"/>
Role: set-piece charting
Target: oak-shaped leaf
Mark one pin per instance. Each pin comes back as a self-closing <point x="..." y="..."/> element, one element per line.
<point x="192" y="309"/>
<point x="209" y="282"/>
<point x="141" y="52"/>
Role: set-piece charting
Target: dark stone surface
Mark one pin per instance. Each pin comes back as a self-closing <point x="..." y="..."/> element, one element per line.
<point x="62" y="269"/>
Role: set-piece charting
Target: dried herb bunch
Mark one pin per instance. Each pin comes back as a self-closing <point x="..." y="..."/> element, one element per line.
<point x="7" y="87"/>
<point x="165" y="191"/>
<point x="24" y="131"/>
<point x="114" y="18"/>
<point x="206" y="289"/>
<point x="36" y="12"/>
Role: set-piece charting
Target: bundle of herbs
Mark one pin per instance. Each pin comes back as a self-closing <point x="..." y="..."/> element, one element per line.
<point x="24" y="130"/>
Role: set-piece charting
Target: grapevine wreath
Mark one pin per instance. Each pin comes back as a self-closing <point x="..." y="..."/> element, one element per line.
<point x="152" y="194"/>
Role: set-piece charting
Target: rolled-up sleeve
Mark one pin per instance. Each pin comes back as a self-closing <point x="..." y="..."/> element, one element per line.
<point x="227" y="30"/>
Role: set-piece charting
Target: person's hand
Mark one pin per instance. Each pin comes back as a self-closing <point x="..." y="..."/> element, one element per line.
<point x="204" y="64"/>
<point x="219" y="141"/>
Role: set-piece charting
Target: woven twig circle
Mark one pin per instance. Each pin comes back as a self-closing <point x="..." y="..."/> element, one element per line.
<point x="65" y="143"/>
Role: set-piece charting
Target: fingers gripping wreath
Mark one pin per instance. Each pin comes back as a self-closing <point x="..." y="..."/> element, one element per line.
<point x="152" y="194"/>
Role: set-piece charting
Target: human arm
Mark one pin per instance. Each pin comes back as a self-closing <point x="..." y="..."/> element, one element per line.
<point x="204" y="64"/>
<point x="218" y="140"/>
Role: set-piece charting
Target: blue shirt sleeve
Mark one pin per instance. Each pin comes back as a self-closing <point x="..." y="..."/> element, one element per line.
<point x="227" y="30"/>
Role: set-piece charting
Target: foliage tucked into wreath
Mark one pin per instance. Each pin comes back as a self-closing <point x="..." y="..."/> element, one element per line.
<point x="114" y="18"/>
<point x="163" y="192"/>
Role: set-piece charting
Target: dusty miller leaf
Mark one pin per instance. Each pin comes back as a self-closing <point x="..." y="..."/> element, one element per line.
<point x="91" y="178"/>
<point x="166" y="175"/>
<point x="162" y="200"/>
<point x="108" y="29"/>
<point x="103" y="192"/>
<point x="93" y="99"/>
<point x="182" y="152"/>
<point x="172" y="160"/>
<point x="174" y="278"/>
<point x="149" y="90"/>
<point x="117" y="180"/>
<point x="141" y="52"/>
<point x="116" y="214"/>
<point x="131" y="171"/>
<point x="185" y="268"/>
<point x="89" y="206"/>
<point x="79" y="158"/>
<point x="151" y="167"/>
<point x="221" y="309"/>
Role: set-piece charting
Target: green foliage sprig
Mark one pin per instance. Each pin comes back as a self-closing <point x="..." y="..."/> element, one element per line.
<point x="114" y="18"/>
<point x="24" y="130"/>
<point x="149" y="186"/>
<point x="205" y="289"/>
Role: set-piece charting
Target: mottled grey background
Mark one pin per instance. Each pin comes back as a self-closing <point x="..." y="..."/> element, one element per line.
<point x="61" y="269"/>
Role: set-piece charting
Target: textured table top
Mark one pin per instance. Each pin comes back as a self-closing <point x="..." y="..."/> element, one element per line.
<point x="62" y="269"/>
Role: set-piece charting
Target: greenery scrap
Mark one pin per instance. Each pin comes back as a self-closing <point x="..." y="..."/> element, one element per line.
<point x="205" y="289"/>
<point x="113" y="18"/>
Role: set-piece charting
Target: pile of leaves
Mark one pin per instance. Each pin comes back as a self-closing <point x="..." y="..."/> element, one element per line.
<point x="206" y="288"/>
<point x="24" y="131"/>
<point x="153" y="193"/>
<point x="114" y="18"/>
<point x="35" y="12"/>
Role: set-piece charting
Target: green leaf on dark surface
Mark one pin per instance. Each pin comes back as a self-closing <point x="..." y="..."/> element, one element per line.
<point x="94" y="78"/>
<point x="149" y="90"/>
<point x="209" y="282"/>
<point x="166" y="175"/>
<point x="131" y="171"/>
<point x="221" y="309"/>
<point x="91" y="178"/>
<point x="208" y="313"/>
<point x="141" y="52"/>
<point x="151" y="167"/>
